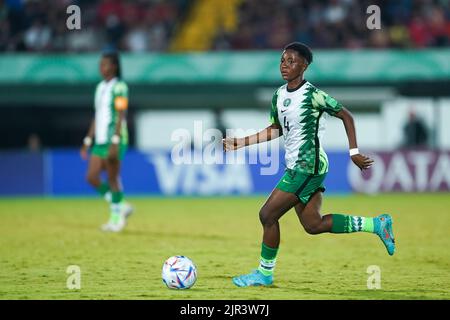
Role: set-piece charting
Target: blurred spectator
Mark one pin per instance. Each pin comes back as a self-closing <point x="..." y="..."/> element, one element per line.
<point x="415" y="132"/>
<point x="218" y="120"/>
<point x="399" y="35"/>
<point x="86" y="39"/>
<point x="34" y="143"/>
<point x="419" y="32"/>
<point x="379" y="39"/>
<point x="37" y="37"/>
<point x="439" y="27"/>
<point x="137" y="39"/>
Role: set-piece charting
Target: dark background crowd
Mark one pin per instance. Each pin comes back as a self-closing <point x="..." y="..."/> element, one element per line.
<point x="268" y="24"/>
<point x="149" y="25"/>
<point x="40" y="25"/>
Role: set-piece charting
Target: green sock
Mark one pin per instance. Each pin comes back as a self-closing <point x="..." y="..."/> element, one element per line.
<point x="103" y="188"/>
<point x="115" y="212"/>
<point x="117" y="197"/>
<point x="347" y="224"/>
<point x="267" y="260"/>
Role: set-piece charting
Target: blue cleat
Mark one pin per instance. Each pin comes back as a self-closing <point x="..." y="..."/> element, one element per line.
<point x="253" y="279"/>
<point x="383" y="228"/>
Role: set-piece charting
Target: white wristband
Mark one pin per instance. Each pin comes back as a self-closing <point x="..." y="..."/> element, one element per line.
<point x="87" y="141"/>
<point x="354" y="151"/>
<point x="115" y="139"/>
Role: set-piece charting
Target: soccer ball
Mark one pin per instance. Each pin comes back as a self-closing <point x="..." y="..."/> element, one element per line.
<point x="179" y="272"/>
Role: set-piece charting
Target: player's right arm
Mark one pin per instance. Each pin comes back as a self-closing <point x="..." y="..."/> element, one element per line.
<point x="88" y="140"/>
<point x="271" y="132"/>
<point x="267" y="134"/>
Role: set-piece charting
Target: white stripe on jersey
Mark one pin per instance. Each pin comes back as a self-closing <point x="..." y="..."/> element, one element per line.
<point x="103" y="112"/>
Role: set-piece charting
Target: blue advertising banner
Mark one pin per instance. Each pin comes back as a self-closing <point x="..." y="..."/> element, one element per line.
<point x="22" y="173"/>
<point x="156" y="173"/>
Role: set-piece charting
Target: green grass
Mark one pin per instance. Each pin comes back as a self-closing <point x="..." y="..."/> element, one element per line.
<point x="40" y="238"/>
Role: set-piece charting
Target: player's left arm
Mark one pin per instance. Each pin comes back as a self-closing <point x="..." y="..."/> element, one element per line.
<point x="362" y="161"/>
<point x="121" y="106"/>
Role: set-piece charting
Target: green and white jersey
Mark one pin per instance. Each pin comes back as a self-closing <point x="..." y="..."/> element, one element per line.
<point x="301" y="115"/>
<point x="110" y="96"/>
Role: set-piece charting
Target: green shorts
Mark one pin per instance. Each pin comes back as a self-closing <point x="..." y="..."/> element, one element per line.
<point x="101" y="150"/>
<point x="303" y="185"/>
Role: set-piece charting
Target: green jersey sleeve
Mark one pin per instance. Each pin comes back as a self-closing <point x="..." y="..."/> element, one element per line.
<point x="120" y="94"/>
<point x="121" y="89"/>
<point x="274" y="110"/>
<point x="325" y="102"/>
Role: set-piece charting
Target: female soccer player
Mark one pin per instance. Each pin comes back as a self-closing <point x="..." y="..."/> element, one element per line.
<point x="109" y="136"/>
<point x="297" y="113"/>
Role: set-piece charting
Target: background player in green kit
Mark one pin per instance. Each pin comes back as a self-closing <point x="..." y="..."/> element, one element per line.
<point x="298" y="113"/>
<point x="109" y="133"/>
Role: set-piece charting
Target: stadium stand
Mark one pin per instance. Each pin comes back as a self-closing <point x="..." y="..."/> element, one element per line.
<point x="268" y="24"/>
<point x="136" y="26"/>
<point x="200" y="25"/>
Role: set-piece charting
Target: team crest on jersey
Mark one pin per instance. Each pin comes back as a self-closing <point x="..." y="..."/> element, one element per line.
<point x="287" y="102"/>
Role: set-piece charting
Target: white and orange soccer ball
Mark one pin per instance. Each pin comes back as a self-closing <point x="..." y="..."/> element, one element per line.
<point x="179" y="272"/>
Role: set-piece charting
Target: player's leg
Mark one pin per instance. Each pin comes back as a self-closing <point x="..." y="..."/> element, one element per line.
<point x="309" y="215"/>
<point x="277" y="204"/>
<point x="126" y="209"/>
<point x="314" y="223"/>
<point x="95" y="167"/>
<point x="116" y="222"/>
<point x="106" y="192"/>
<point x="120" y="209"/>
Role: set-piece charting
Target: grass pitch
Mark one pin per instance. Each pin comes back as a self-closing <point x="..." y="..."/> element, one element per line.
<point x="40" y="238"/>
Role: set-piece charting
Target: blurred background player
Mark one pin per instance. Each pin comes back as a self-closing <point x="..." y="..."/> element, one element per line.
<point x="298" y="111"/>
<point x="108" y="132"/>
<point x="415" y="132"/>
